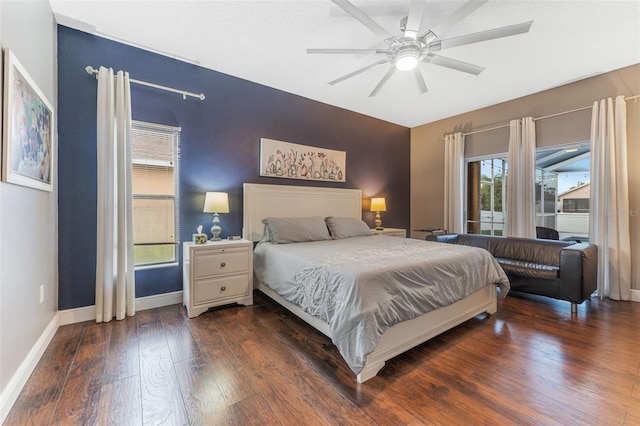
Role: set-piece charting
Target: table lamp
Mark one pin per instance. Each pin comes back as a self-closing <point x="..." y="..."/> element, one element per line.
<point x="378" y="205"/>
<point x="216" y="202"/>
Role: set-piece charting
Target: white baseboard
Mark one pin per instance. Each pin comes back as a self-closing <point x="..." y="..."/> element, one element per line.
<point x="158" y="300"/>
<point x="10" y="393"/>
<point x="635" y="295"/>
<point x="72" y="316"/>
<point x="88" y="313"/>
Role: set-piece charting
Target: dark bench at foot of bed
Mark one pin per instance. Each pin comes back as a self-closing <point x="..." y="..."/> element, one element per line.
<point x="558" y="269"/>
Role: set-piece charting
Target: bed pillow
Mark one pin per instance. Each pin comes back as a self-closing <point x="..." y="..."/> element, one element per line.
<point x="347" y="227"/>
<point x="283" y="230"/>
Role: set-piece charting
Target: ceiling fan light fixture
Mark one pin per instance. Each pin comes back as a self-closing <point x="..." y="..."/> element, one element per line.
<point x="406" y="52"/>
<point x="406" y="60"/>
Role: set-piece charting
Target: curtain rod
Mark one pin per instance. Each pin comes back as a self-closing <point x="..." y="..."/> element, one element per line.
<point x="635" y="98"/>
<point x="90" y="70"/>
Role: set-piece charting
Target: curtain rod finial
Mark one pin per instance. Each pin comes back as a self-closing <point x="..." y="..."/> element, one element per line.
<point x="89" y="69"/>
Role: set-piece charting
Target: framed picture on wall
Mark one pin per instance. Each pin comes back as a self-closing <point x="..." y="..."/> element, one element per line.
<point x="28" y="119"/>
<point x="293" y="161"/>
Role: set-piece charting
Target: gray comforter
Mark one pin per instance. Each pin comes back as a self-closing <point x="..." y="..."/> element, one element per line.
<point x="362" y="286"/>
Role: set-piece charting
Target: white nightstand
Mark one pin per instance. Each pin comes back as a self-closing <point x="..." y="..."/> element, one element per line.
<point x="391" y="232"/>
<point x="216" y="273"/>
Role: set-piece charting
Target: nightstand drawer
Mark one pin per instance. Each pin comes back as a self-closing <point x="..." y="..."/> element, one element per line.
<point x="207" y="264"/>
<point x="220" y="288"/>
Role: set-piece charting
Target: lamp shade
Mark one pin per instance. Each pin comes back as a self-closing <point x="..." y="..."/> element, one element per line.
<point x="378" y="205"/>
<point x="216" y="202"/>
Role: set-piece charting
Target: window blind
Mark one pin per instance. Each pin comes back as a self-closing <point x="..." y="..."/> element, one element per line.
<point x="155" y="175"/>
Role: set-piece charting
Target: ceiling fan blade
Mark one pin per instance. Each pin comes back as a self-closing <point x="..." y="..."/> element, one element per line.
<point x="365" y="20"/>
<point x="353" y="51"/>
<point x="422" y="86"/>
<point x="416" y="9"/>
<point x="507" y="31"/>
<point x="356" y="72"/>
<point x="453" y="64"/>
<point x="443" y="26"/>
<point x="386" y="77"/>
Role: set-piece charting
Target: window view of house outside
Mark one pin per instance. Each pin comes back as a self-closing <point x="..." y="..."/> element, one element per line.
<point x="561" y="193"/>
<point x="155" y="158"/>
<point x="573" y="206"/>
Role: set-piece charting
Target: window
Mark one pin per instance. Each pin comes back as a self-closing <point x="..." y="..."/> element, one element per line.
<point x="563" y="174"/>
<point x="575" y="205"/>
<point x="155" y="151"/>
<point x="546" y="187"/>
<point x="486" y="192"/>
<point x="561" y="192"/>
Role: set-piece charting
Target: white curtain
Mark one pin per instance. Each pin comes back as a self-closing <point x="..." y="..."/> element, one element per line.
<point x="115" y="282"/>
<point x="520" y="216"/>
<point x="454" y="183"/>
<point x="609" y="209"/>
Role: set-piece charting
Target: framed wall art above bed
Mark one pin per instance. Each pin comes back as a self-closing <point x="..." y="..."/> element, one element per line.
<point x="294" y="161"/>
<point x="28" y="134"/>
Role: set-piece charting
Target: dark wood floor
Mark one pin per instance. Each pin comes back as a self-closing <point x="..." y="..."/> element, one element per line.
<point x="531" y="363"/>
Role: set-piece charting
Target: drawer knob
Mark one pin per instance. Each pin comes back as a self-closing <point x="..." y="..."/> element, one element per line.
<point x="223" y="288"/>
<point x="223" y="264"/>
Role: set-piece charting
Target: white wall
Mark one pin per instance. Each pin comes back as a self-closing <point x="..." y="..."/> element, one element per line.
<point x="28" y="217"/>
<point x="573" y="223"/>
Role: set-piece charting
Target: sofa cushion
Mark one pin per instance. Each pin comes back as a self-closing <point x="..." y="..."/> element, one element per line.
<point x="545" y="252"/>
<point x="528" y="269"/>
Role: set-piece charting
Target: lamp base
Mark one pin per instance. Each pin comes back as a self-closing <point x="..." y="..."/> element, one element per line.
<point x="216" y="229"/>
<point x="378" y="222"/>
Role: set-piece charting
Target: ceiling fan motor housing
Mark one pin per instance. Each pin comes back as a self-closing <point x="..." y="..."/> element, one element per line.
<point x="407" y="53"/>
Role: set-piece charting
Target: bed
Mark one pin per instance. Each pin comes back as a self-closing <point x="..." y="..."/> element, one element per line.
<point x="401" y="334"/>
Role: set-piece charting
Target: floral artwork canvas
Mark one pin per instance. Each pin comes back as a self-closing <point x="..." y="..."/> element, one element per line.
<point x="294" y="161"/>
<point x="28" y="134"/>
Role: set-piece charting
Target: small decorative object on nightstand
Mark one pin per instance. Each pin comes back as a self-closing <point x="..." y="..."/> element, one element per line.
<point x="391" y="232"/>
<point x="378" y="205"/>
<point x="199" y="238"/>
<point x="216" y="202"/>
<point x="217" y="273"/>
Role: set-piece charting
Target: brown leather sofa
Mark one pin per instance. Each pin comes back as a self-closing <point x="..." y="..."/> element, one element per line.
<point x="558" y="269"/>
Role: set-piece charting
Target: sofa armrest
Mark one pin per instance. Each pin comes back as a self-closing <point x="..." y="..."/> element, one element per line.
<point x="578" y="271"/>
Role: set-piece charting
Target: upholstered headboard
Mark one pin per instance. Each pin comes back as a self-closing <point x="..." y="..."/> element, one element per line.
<point x="262" y="201"/>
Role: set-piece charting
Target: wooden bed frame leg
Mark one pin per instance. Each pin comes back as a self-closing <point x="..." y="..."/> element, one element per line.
<point x="369" y="371"/>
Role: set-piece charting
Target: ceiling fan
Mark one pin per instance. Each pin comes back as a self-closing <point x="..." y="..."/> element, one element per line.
<point x="406" y="52"/>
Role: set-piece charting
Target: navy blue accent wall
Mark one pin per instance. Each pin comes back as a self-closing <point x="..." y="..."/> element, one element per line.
<point x="219" y="149"/>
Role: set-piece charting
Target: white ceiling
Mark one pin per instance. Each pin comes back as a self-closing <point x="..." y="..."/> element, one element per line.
<point x="265" y="41"/>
